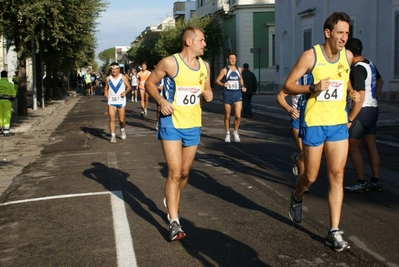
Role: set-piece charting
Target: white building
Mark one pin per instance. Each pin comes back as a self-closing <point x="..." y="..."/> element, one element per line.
<point x="8" y="58"/>
<point x="184" y="9"/>
<point x="299" y="25"/>
<point x="249" y="31"/>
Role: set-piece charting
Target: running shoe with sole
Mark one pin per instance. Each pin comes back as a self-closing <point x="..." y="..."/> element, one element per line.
<point x="123" y="135"/>
<point x="227" y="138"/>
<point x="236" y="137"/>
<point x="295" y="211"/>
<point x="335" y="241"/>
<point x="176" y="232"/>
<point x="113" y="139"/>
<point x="357" y="188"/>
<point x="375" y="186"/>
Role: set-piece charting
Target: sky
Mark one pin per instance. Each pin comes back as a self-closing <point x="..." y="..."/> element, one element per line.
<point x="124" y="20"/>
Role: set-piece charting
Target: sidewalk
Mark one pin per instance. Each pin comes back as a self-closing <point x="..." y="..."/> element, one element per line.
<point x="23" y="124"/>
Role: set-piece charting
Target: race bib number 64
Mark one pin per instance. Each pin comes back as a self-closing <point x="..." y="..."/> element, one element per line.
<point x="335" y="92"/>
<point x="188" y="95"/>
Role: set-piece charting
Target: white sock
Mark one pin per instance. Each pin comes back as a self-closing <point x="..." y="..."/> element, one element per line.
<point x="174" y="220"/>
<point x="228" y="132"/>
<point x="113" y="134"/>
<point x="122" y="129"/>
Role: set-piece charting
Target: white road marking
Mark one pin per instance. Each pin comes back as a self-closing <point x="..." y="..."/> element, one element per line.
<point x="363" y="246"/>
<point x="53" y="197"/>
<point x="123" y="237"/>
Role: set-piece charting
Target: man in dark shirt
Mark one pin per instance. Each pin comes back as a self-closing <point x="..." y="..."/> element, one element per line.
<point x="251" y="84"/>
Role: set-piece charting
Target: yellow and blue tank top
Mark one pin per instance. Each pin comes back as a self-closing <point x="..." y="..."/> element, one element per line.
<point x="327" y="108"/>
<point x="184" y="92"/>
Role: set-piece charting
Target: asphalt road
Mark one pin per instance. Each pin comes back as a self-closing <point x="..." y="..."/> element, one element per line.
<point x="85" y="202"/>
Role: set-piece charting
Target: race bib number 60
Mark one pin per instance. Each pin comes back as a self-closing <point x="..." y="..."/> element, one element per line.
<point x="188" y="95"/>
<point x="335" y="92"/>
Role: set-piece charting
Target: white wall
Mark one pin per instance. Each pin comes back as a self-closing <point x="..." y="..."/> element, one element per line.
<point x="373" y="25"/>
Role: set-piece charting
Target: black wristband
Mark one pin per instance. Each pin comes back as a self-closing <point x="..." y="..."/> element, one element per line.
<point x="312" y="88"/>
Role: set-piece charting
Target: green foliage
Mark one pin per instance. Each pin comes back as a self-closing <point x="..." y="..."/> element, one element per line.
<point x="105" y="55"/>
<point x="62" y="30"/>
<point x="153" y="48"/>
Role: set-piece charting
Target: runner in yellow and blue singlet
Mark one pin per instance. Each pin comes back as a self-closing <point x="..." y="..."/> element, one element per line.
<point x="185" y="97"/>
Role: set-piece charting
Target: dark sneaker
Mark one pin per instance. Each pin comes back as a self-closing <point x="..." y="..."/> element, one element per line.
<point x="375" y="186"/>
<point x="295" y="209"/>
<point x="335" y="241"/>
<point x="176" y="233"/>
<point x="357" y="188"/>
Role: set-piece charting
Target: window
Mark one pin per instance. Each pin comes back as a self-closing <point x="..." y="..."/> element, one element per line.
<point x="396" y="47"/>
<point x="200" y="3"/>
<point x="272" y="46"/>
<point x="307" y="39"/>
<point x="351" y="29"/>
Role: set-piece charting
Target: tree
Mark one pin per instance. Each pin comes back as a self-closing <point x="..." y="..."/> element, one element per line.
<point x="107" y="54"/>
<point x="155" y="47"/>
<point x="60" y="32"/>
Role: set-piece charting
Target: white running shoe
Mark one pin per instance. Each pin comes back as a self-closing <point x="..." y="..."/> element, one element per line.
<point x="227" y="139"/>
<point x="123" y="135"/>
<point x="236" y="137"/>
<point x="113" y="139"/>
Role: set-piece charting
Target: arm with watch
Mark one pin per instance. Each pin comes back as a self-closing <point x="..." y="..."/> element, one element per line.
<point x="358" y="99"/>
<point x="243" y="88"/>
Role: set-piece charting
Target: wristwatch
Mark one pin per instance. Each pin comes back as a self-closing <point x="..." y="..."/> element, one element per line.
<point x="312" y="88"/>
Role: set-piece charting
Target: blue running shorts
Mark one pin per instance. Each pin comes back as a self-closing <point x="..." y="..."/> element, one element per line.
<point x="231" y="96"/>
<point x="317" y="135"/>
<point x="189" y="137"/>
<point x="294" y="124"/>
<point x="117" y="105"/>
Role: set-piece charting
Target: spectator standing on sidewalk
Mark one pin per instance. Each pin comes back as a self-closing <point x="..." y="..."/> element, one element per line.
<point x="186" y="85"/>
<point x="252" y="85"/>
<point x="7" y="94"/>
<point x="230" y="78"/>
<point x="116" y="87"/>
<point x="363" y="116"/>
<point x="324" y="119"/>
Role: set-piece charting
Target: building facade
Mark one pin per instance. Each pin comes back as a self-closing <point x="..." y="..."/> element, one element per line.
<point x="249" y="27"/>
<point x="184" y="10"/>
<point x="299" y="26"/>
